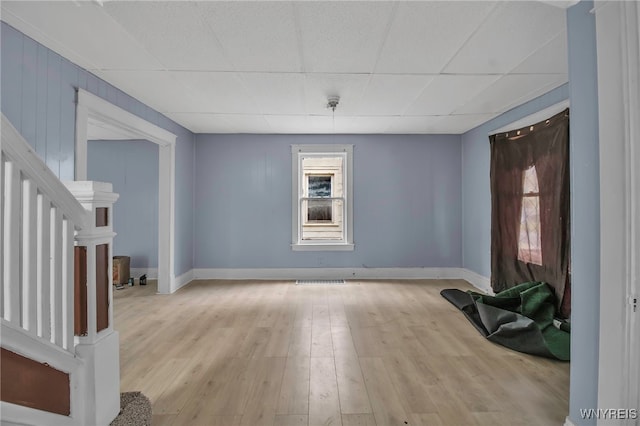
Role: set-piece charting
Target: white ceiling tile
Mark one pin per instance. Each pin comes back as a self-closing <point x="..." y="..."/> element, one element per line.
<point x="242" y="123"/>
<point x="217" y="92"/>
<point x="301" y="124"/>
<point x="457" y="124"/>
<point x="350" y="88"/>
<point x="510" y="91"/>
<point x="447" y="92"/>
<point x="550" y="58"/>
<point x="277" y="93"/>
<point x="256" y="36"/>
<point x="222" y="123"/>
<point x="269" y="67"/>
<point x="367" y="125"/>
<point x="544" y="84"/>
<point x="202" y="122"/>
<point x="424" y="36"/>
<point x="565" y="4"/>
<point x="320" y="124"/>
<point x="391" y="94"/>
<point x="143" y="85"/>
<point x="173" y="32"/>
<point x="507" y="37"/>
<point x="289" y="123"/>
<point x="342" y="36"/>
<point x="423" y="124"/>
<point x="79" y="31"/>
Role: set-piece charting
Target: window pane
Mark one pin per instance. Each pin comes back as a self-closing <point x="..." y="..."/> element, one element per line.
<point x="319" y="186"/>
<point x="529" y="245"/>
<point x="530" y="184"/>
<point x="323" y="221"/>
<point x="319" y="211"/>
<point x="322" y="176"/>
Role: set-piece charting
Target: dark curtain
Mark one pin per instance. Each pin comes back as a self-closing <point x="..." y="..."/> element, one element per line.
<point x="544" y="145"/>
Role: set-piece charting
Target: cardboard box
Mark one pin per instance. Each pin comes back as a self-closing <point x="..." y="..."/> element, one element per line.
<point x="121" y="270"/>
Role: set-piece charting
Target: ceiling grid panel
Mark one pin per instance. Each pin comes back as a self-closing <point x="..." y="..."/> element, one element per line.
<point x="243" y="67"/>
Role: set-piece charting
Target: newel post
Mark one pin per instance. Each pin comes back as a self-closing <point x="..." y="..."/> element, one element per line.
<point x="97" y="343"/>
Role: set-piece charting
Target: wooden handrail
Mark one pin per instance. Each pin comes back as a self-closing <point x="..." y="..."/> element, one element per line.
<point x="17" y="149"/>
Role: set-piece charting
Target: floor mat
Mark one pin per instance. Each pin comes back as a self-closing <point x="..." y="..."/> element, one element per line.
<point x="520" y="318"/>
<point x="135" y="409"/>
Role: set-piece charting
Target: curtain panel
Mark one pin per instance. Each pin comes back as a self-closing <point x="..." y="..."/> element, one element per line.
<point x="545" y="146"/>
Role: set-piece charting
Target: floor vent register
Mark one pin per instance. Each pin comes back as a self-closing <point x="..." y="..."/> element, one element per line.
<point x="329" y="282"/>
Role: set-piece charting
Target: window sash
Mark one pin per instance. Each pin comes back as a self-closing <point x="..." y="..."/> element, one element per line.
<point x="302" y="223"/>
<point x="344" y="198"/>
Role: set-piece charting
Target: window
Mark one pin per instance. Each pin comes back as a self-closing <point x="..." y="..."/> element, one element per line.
<point x="322" y="190"/>
<point x="529" y="246"/>
<point x="319" y="205"/>
<point x="530" y="207"/>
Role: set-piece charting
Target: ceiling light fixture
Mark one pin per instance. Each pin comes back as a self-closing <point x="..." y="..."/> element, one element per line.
<point x="332" y="102"/>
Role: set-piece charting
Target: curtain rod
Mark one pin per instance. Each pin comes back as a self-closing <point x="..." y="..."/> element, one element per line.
<point x="534" y="118"/>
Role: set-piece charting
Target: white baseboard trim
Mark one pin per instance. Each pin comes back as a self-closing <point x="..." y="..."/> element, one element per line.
<point x="324" y="273"/>
<point x="182" y="280"/>
<point x="478" y="281"/>
<point x="568" y="422"/>
<point x="152" y="273"/>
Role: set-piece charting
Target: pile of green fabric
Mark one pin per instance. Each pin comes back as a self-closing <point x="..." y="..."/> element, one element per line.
<point x="520" y="318"/>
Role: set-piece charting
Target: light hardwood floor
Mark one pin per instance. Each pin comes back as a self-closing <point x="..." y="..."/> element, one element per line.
<point x="366" y="353"/>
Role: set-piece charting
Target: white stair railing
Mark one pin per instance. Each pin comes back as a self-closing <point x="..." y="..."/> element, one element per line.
<point x="41" y="223"/>
<point x="39" y="217"/>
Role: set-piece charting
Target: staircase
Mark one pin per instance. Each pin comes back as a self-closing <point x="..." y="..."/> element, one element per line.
<point x="59" y="352"/>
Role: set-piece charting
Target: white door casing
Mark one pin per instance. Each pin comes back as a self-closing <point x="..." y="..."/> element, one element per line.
<point x="618" y="44"/>
<point x="92" y="107"/>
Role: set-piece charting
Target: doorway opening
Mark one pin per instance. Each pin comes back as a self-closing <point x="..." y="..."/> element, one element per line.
<point x="92" y="110"/>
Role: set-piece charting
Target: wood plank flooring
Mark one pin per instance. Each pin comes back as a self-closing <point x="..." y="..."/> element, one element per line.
<point x="370" y="353"/>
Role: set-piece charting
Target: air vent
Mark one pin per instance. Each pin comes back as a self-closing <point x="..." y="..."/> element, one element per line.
<point x="326" y="282"/>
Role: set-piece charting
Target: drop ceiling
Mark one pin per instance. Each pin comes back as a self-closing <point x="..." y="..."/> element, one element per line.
<point x="268" y="67"/>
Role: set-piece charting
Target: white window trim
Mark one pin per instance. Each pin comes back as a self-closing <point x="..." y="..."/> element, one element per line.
<point x="296" y="243"/>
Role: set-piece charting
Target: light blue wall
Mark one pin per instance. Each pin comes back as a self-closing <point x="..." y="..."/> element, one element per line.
<point x="132" y="168"/>
<point x="476" y="193"/>
<point x="585" y="210"/>
<point x="407" y="202"/>
<point x="585" y="220"/>
<point x="38" y="97"/>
